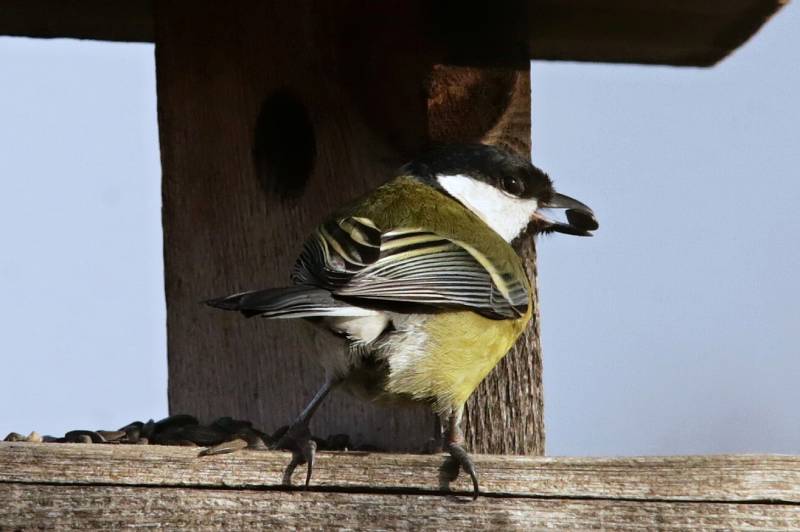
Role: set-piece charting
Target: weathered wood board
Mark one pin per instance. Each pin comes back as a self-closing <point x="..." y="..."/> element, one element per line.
<point x="112" y="486"/>
<point x="676" y="32"/>
<point x="114" y="507"/>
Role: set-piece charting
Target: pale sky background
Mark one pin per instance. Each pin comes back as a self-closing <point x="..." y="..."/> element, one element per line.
<point x="674" y="330"/>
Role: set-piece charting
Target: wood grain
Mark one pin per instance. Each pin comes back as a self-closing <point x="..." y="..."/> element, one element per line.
<point x="374" y="95"/>
<point x="676" y="32"/>
<point x="730" y="478"/>
<point x="70" y="486"/>
<point x="27" y="507"/>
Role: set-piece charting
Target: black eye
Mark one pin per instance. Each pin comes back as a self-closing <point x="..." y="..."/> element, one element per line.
<point x="513" y="185"/>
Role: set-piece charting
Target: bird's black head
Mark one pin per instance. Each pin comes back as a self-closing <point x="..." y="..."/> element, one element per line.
<point x="502" y="188"/>
<point x="501" y="169"/>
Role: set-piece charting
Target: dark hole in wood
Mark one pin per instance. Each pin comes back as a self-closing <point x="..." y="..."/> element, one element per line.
<point x="284" y="146"/>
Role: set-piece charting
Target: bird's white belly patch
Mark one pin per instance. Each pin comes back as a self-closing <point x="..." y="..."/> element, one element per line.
<point x="363" y="329"/>
<point x="407" y="345"/>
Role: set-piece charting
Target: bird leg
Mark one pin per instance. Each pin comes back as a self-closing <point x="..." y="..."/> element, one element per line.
<point x="454" y="440"/>
<point x="434" y="445"/>
<point x="297" y="438"/>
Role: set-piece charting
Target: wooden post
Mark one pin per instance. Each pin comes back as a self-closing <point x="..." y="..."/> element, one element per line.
<point x="271" y="114"/>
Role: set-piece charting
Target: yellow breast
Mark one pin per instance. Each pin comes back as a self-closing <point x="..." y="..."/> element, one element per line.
<point x="455" y="352"/>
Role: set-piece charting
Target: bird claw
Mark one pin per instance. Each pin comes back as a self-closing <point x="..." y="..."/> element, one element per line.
<point x="462" y="459"/>
<point x="298" y="440"/>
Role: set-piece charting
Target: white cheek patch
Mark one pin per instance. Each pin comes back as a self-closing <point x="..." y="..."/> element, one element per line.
<point x="508" y="216"/>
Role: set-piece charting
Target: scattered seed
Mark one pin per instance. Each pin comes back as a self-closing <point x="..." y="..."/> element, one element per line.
<point x="223" y="435"/>
<point x="136" y="424"/>
<point x="255" y="439"/>
<point x="232" y="426"/>
<point x="77" y="436"/>
<point x="147" y="429"/>
<point x="204" y="436"/>
<point x="173" y="422"/>
<point x="224" y="447"/>
<point x="278" y="434"/>
<point x="132" y="434"/>
<point x="112" y="435"/>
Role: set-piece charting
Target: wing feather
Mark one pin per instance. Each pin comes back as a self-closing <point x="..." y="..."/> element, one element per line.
<point x="352" y="258"/>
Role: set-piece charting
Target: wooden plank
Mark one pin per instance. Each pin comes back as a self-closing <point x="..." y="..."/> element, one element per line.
<point x="105" y="20"/>
<point x="341" y="108"/>
<point x="675" y="32"/>
<point x="725" y="478"/>
<point x="27" y="506"/>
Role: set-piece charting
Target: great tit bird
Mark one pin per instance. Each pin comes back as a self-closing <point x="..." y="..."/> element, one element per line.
<point x="421" y="279"/>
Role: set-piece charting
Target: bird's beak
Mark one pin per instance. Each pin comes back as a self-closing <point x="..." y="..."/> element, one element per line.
<point x="580" y="218"/>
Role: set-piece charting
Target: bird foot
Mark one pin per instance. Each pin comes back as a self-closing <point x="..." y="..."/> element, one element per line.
<point x="463" y="461"/>
<point x="297" y="439"/>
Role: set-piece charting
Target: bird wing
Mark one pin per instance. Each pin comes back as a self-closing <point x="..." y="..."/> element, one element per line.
<point x="354" y="259"/>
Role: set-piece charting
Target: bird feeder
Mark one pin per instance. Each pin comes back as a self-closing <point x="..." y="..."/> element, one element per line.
<point x="273" y="113"/>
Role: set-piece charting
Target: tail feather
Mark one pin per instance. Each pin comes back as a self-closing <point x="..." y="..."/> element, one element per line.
<point x="288" y="302"/>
